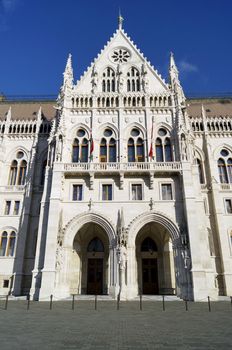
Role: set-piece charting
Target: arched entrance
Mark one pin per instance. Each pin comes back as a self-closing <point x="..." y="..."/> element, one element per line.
<point x="155" y="262"/>
<point x="91" y="259"/>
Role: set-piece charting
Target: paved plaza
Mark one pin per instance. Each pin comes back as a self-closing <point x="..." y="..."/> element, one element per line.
<point x="129" y="327"/>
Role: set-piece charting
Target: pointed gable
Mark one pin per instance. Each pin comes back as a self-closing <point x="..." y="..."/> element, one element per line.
<point x="120" y="53"/>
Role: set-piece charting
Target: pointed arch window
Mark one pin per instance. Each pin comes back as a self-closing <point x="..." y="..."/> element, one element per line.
<point x="133" y="80"/>
<point x="148" y="245"/>
<point x="13" y="172"/>
<point x="108" y="80"/>
<point x="131" y="150"/>
<point x="80" y="147"/>
<point x="11" y="244"/>
<point x="163" y="146"/>
<point x="22" y="172"/>
<point x="75" y="154"/>
<point x="103" y="151"/>
<point x="140" y="150"/>
<point x="200" y="171"/>
<point x="225" y="166"/>
<point x="159" y="150"/>
<point x="222" y="171"/>
<point x="7" y="243"/>
<point x="108" y="149"/>
<point x="95" y="246"/>
<point x="167" y="150"/>
<point x="135" y="146"/>
<point x="3" y="243"/>
<point x="18" y="170"/>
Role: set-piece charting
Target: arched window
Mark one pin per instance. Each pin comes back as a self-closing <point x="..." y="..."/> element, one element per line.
<point x="75" y="153"/>
<point x="80" y="147"/>
<point x="222" y="171"/>
<point x="135" y="146"/>
<point x="131" y="150"/>
<point x="103" y="151"/>
<point x="95" y="245"/>
<point x="11" y="244"/>
<point x="133" y="80"/>
<point x="18" y="170"/>
<point x="167" y="150"/>
<point x="225" y="166"/>
<point x="140" y="150"/>
<point x="148" y="245"/>
<point x="163" y="146"/>
<point x="22" y="172"/>
<point x="84" y="151"/>
<point x="108" y="151"/>
<point x="13" y="172"/>
<point x="159" y="150"/>
<point x="108" y="80"/>
<point x="3" y="243"/>
<point x="200" y="171"/>
<point x="229" y="169"/>
<point x="112" y="150"/>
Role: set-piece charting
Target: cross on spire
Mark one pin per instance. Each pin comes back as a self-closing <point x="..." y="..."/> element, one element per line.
<point x="120" y="20"/>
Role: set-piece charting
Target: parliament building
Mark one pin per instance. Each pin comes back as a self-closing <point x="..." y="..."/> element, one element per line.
<point x="121" y="186"/>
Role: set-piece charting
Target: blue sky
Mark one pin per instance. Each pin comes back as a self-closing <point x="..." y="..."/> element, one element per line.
<point x="37" y="35"/>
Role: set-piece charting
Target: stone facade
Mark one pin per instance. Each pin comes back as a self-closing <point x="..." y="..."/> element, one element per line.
<point x="120" y="186"/>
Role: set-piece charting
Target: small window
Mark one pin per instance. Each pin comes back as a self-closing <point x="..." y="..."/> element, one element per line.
<point x="7" y="208"/>
<point x="5" y="283"/>
<point x="166" y="192"/>
<point x="136" y="190"/>
<point x="77" y="193"/>
<point x="228" y="203"/>
<point x="107" y="192"/>
<point x="16" y="207"/>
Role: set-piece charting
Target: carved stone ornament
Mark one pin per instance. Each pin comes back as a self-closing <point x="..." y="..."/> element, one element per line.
<point x="120" y="55"/>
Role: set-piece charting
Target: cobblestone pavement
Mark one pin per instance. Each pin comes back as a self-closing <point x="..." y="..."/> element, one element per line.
<point x="85" y="328"/>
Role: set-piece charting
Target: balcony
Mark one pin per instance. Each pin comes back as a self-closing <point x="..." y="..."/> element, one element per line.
<point x="135" y="167"/>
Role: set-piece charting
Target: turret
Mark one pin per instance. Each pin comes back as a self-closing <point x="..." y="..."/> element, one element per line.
<point x="68" y="74"/>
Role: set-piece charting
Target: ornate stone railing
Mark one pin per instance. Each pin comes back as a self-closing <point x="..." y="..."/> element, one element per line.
<point x="226" y="187"/>
<point x="118" y="167"/>
<point x="12" y="188"/>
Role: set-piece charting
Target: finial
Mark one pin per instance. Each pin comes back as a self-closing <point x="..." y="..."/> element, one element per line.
<point x="120" y="20"/>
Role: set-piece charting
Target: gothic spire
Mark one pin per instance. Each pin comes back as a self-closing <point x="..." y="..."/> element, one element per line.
<point x="175" y="82"/>
<point x="120" y="20"/>
<point x="68" y="73"/>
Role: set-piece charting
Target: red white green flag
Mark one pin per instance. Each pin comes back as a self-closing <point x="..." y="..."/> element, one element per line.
<point x="151" y="153"/>
<point x="91" y="146"/>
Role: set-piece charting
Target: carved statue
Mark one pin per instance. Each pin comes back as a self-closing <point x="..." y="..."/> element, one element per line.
<point x="94" y="80"/>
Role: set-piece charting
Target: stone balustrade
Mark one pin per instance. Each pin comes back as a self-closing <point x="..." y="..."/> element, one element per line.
<point x="118" y="167"/>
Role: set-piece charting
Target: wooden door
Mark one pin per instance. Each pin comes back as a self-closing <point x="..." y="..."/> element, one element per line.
<point x="95" y="276"/>
<point x="150" y="276"/>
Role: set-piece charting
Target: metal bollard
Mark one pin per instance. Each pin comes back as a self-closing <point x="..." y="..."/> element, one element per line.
<point x="118" y="299"/>
<point x="209" y="306"/>
<point x="140" y="302"/>
<point x="163" y="303"/>
<point x="73" y="300"/>
<point x="28" y="301"/>
<point x="51" y="297"/>
<point x="186" y="305"/>
<point x="231" y="301"/>
<point x="96" y="302"/>
<point x="6" y="301"/>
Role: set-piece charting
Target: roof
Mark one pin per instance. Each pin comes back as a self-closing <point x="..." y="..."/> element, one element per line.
<point x="214" y="107"/>
<point x="27" y="110"/>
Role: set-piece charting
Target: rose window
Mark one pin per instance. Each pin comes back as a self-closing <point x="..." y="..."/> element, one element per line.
<point x="120" y="55"/>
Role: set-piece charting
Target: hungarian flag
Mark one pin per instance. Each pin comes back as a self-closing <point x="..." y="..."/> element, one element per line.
<point x="91" y="146"/>
<point x="151" y="153"/>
